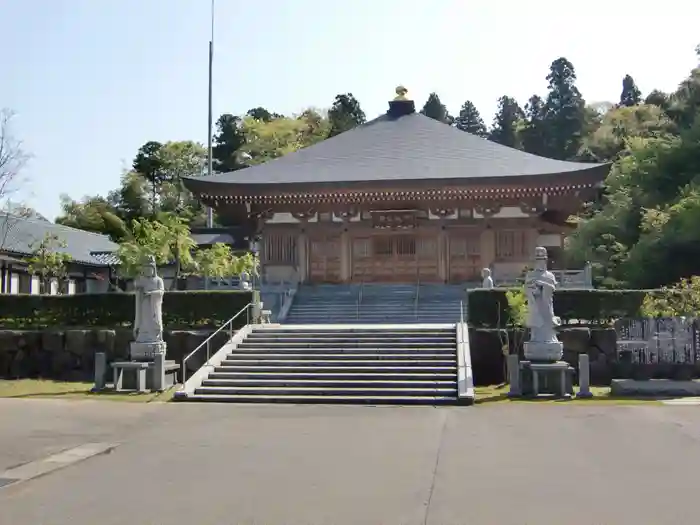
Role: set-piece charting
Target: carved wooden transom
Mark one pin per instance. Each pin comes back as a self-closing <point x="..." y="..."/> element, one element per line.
<point x="530" y="208"/>
<point x="304" y="215"/>
<point x="488" y="210"/>
<point x="442" y="212"/>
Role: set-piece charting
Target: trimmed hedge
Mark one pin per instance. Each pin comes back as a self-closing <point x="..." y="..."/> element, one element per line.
<point x="187" y="309"/>
<point x="593" y="307"/>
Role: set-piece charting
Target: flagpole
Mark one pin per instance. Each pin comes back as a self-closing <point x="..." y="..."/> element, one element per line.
<point x="210" y="210"/>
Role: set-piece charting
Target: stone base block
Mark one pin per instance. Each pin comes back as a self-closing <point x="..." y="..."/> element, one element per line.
<point x="655" y="387"/>
<point x="540" y="351"/>
<point x="128" y="375"/>
<point x="146" y="351"/>
<point x="556" y="379"/>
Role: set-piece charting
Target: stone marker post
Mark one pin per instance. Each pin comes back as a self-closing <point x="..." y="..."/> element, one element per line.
<point x="100" y="371"/>
<point x="159" y="372"/>
<point x="584" y="376"/>
<point x="513" y="375"/>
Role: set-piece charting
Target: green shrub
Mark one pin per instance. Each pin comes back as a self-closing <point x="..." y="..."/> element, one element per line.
<point x="188" y="309"/>
<point x="588" y="306"/>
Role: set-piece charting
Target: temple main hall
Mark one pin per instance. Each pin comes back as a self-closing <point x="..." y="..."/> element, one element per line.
<point x="403" y="199"/>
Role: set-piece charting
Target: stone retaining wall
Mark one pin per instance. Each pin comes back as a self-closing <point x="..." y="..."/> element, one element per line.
<point x="70" y="354"/>
<point x="488" y="359"/>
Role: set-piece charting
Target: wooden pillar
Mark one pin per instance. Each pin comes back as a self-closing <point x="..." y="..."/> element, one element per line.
<point x="345" y="256"/>
<point x="303" y="257"/>
<point x="443" y="255"/>
<point x="532" y="236"/>
<point x="488" y="247"/>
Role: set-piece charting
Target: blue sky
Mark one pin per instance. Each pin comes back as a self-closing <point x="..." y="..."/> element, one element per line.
<point x="92" y="80"/>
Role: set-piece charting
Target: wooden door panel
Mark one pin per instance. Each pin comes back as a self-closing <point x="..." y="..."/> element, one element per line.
<point x="324" y="259"/>
<point x="465" y="257"/>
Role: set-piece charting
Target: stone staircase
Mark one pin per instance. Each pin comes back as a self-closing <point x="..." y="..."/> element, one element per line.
<point x="377" y="303"/>
<point x="371" y="364"/>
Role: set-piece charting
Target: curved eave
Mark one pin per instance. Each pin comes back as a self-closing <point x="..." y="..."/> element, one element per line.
<point x="587" y="176"/>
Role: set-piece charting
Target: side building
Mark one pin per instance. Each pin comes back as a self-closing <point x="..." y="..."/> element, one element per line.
<point x="89" y="271"/>
<point x="404" y="199"/>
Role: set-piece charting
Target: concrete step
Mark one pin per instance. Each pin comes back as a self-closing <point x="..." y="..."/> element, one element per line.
<point x="347" y="375"/>
<point x="338" y="363"/>
<point x="359" y="399"/>
<point x="332" y="383"/>
<point x="351" y="341"/>
<point x="348" y="351"/>
<point x="320" y="334"/>
<point x="326" y="391"/>
<point x="376" y="345"/>
<point x="337" y="356"/>
<point x="353" y="367"/>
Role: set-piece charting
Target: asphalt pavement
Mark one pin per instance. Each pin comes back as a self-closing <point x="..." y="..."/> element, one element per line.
<point x="222" y="464"/>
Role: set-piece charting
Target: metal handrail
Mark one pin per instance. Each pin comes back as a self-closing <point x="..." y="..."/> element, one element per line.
<point x="359" y="298"/>
<point x="415" y="300"/>
<point x="207" y="341"/>
<point x="461" y="311"/>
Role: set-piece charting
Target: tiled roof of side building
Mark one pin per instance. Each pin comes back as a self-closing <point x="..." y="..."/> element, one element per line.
<point x="20" y="235"/>
<point x="389" y="148"/>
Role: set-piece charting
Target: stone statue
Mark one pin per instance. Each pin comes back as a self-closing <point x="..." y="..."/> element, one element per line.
<point x="148" y="321"/>
<point x="244" y="281"/>
<point x="540" y="284"/>
<point x="488" y="281"/>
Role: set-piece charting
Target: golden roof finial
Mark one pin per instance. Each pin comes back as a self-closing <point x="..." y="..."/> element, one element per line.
<point x="401" y="93"/>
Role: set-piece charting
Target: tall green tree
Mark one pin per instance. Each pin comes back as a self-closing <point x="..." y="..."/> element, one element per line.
<point x="182" y="159"/>
<point x="150" y="165"/>
<point x="505" y="124"/>
<point x="435" y="109"/>
<point x="263" y="114"/>
<point x="93" y="214"/>
<point x="630" y="96"/>
<point x="622" y="124"/>
<point x="684" y="103"/>
<point x="644" y="232"/>
<point x="130" y="201"/>
<point x="470" y="120"/>
<point x="227" y="143"/>
<point x="657" y="98"/>
<point x="345" y="114"/>
<point x="270" y="140"/>
<point x="564" y="111"/>
<point x="533" y="133"/>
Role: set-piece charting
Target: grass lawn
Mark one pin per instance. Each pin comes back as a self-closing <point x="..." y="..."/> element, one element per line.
<point x="601" y="394"/>
<point x="44" y="388"/>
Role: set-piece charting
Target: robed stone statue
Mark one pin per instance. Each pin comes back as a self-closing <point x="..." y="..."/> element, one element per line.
<point x="487" y="279"/>
<point x="148" y="321"/>
<point x="540" y="284"/>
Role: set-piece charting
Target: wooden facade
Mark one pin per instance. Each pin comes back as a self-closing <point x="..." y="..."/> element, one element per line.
<point x="373" y="246"/>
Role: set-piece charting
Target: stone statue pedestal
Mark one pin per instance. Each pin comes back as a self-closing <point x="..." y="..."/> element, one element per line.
<point x="554" y="379"/>
<point x="140" y="351"/>
<point x="532" y="379"/>
<point x="541" y="351"/>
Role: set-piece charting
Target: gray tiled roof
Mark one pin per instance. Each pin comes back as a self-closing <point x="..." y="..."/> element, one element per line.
<point x="212" y="238"/>
<point x="411" y="147"/>
<point x="17" y="235"/>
